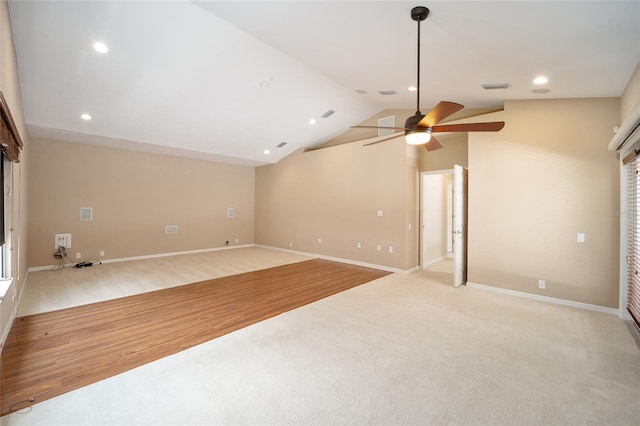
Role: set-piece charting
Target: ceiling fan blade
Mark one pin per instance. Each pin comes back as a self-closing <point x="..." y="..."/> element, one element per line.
<point x="433" y="144"/>
<point x="377" y="127"/>
<point x="395" y="135"/>
<point x="493" y="126"/>
<point x="443" y="110"/>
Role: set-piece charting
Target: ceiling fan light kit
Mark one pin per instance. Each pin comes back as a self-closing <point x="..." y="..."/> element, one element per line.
<point x="417" y="136"/>
<point x="418" y="128"/>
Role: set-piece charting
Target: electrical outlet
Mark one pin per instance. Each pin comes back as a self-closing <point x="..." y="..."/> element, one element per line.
<point x="78" y="256"/>
<point x="319" y="240"/>
<point x="359" y="245"/>
<point x="390" y="249"/>
<point x="290" y="244"/>
<point x="226" y="243"/>
<point x="101" y="253"/>
<point x="63" y="240"/>
<point x="542" y="284"/>
<point x="237" y="240"/>
<point x="379" y="247"/>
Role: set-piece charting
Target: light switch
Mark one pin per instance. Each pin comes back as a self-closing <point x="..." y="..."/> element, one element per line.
<point x="380" y="213"/>
<point x="580" y="237"/>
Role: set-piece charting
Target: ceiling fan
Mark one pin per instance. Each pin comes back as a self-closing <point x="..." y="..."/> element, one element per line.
<point x="418" y="128"/>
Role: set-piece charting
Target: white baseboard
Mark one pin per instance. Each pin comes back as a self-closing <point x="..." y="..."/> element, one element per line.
<point x="152" y="256"/>
<point x="25" y="282"/>
<point x="571" y="303"/>
<point x="7" y="329"/>
<point x="339" y="259"/>
<point x="149" y="256"/>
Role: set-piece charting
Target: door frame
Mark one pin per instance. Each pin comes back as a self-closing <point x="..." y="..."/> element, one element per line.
<point x="460" y="216"/>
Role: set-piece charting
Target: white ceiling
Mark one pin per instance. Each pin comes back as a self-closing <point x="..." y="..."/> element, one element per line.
<point x="186" y="77"/>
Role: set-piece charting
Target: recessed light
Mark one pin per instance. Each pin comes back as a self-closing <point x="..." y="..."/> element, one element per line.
<point x="412" y="88"/>
<point x="86" y="116"/>
<point x="541" y="79"/>
<point x="266" y="152"/>
<point x="312" y="121"/>
<point x="100" y="47"/>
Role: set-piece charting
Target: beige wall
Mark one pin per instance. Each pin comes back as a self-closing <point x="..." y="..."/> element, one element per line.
<point x="10" y="86"/>
<point x="454" y="151"/>
<point x="412" y="206"/>
<point x="631" y="95"/>
<point x="134" y="195"/>
<point x="334" y="194"/>
<point x="533" y="186"/>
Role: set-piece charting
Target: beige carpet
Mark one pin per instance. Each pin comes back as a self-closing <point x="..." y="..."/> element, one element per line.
<point x="404" y="349"/>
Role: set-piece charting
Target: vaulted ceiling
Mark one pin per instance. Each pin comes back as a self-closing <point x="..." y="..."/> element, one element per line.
<point x="227" y="80"/>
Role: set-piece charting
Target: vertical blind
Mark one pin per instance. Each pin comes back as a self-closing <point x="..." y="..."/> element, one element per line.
<point x="633" y="236"/>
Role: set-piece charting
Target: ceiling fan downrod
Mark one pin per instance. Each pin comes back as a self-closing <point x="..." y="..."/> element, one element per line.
<point x="419" y="14"/>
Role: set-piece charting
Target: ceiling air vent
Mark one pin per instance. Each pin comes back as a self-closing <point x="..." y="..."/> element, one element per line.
<point x="281" y="144"/>
<point x="327" y="114"/>
<point x="496" y="86"/>
<point x="388" y="92"/>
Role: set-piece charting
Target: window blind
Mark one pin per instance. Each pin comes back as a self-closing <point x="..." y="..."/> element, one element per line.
<point x="633" y="237"/>
<point x="10" y="141"/>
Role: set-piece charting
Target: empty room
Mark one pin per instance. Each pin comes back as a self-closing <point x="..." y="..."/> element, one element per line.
<point x="319" y="212"/>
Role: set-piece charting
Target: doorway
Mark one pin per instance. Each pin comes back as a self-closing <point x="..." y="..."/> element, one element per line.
<point x="443" y="222"/>
<point x="436" y="219"/>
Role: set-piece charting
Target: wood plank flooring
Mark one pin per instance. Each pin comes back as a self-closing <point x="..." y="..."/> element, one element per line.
<point x="55" y="352"/>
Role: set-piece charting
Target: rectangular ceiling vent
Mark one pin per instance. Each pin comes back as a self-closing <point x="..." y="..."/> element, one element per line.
<point x="281" y="144"/>
<point x="327" y="114"/>
<point x="388" y="92"/>
<point x="386" y="122"/>
<point x="496" y="86"/>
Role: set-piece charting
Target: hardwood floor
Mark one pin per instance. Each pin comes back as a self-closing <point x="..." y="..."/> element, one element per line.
<point x="55" y="352"/>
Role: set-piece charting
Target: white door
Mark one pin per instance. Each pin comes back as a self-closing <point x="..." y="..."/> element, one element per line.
<point x="459" y="225"/>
